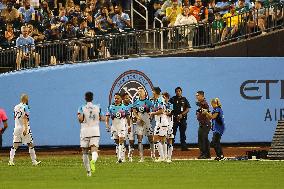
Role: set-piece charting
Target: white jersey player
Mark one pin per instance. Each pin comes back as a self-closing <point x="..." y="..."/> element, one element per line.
<point x="22" y="132"/>
<point x="170" y="135"/>
<point x="161" y="126"/>
<point x="89" y="116"/>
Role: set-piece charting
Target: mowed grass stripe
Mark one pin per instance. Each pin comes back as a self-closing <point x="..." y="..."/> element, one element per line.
<point x="62" y="172"/>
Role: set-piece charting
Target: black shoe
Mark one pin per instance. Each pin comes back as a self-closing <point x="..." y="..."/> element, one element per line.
<point x="219" y="158"/>
<point x="201" y="157"/>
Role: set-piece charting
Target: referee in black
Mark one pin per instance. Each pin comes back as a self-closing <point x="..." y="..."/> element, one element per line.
<point x="181" y="108"/>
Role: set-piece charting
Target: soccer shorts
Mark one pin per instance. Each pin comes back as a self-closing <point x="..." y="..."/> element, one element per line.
<point x="146" y="127"/>
<point x="18" y="136"/>
<point x="118" y="131"/>
<point x="161" y="130"/>
<point x="90" y="141"/>
<point x="130" y="135"/>
<point x="170" y="133"/>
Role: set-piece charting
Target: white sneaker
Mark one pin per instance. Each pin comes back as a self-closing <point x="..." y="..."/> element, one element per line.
<point x="169" y="160"/>
<point x="89" y="174"/>
<point x="11" y="163"/>
<point x="159" y="159"/>
<point x="141" y="160"/>
<point x="35" y="163"/>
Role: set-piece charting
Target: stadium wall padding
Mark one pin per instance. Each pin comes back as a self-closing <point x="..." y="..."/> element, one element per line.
<point x="57" y="92"/>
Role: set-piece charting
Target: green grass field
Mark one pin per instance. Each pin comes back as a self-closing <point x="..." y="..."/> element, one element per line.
<point x="68" y="172"/>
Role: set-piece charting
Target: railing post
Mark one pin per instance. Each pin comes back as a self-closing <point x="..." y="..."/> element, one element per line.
<point x="131" y="9"/>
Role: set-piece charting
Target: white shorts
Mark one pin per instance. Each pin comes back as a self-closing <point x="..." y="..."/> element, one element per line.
<point x="18" y="136"/>
<point x="89" y="141"/>
<point x="161" y="130"/>
<point x="146" y="128"/>
<point x="118" y="131"/>
<point x="170" y="132"/>
<point x="130" y="135"/>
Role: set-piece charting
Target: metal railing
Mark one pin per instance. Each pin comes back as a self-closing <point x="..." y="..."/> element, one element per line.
<point x="132" y="44"/>
<point x="146" y="17"/>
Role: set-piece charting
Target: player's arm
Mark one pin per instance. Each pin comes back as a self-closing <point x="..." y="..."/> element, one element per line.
<point x="102" y="117"/>
<point x="107" y="122"/>
<point x="25" y="123"/>
<point x="159" y="112"/>
<point x="80" y="115"/>
<point x="2" y="130"/>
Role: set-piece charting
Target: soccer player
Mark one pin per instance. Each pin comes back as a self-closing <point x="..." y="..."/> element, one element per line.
<point x="141" y="110"/>
<point x="161" y="124"/>
<point x="119" y="115"/>
<point x="22" y="132"/>
<point x="89" y="116"/>
<point x="130" y="130"/>
<point x="170" y="135"/>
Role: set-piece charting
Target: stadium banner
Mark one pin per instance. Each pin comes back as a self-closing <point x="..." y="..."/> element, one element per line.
<point x="251" y="91"/>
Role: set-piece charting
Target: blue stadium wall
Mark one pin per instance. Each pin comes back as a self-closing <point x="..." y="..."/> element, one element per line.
<point x="251" y="108"/>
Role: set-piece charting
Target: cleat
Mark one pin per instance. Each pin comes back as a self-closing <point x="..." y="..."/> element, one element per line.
<point x="141" y="160"/>
<point x="11" y="163"/>
<point x="169" y="160"/>
<point x="159" y="159"/>
<point x="93" y="166"/>
<point x="35" y="163"/>
<point x="119" y="161"/>
<point x="89" y="174"/>
<point x="130" y="159"/>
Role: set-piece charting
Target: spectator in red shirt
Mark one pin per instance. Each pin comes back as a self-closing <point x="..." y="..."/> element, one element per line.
<point x="3" y="118"/>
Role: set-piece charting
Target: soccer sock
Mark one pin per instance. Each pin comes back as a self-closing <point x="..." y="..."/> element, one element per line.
<point x="95" y="156"/>
<point x="116" y="150"/>
<point x="86" y="162"/>
<point x="123" y="152"/>
<point x="152" y="148"/>
<point x="120" y="151"/>
<point x="32" y="154"/>
<point x="170" y="151"/>
<point x="140" y="148"/>
<point x="165" y="150"/>
<point x="12" y="153"/>
<point x="130" y="150"/>
<point x="160" y="149"/>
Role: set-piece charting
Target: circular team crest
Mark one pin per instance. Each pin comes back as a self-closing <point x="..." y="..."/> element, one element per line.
<point x="129" y="82"/>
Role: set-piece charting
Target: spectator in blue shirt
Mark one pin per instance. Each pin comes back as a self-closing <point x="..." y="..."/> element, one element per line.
<point x="121" y="20"/>
<point x="218" y="126"/>
<point x="27" y="12"/>
<point x="25" y="48"/>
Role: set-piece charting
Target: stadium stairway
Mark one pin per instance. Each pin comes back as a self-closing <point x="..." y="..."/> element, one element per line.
<point x="276" y="151"/>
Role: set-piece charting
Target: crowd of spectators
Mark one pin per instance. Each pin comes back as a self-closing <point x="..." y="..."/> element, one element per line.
<point x="49" y="20"/>
<point x="28" y="22"/>
<point x="225" y="17"/>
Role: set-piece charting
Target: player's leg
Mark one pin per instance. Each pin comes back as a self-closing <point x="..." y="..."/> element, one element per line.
<point x="140" y="133"/>
<point x="165" y="147"/>
<point x="120" y="149"/>
<point x="13" y="152"/>
<point x="85" y="143"/>
<point x="131" y="144"/>
<point x="170" y="149"/>
<point x="94" y="144"/>
<point x="158" y="145"/>
<point x="33" y="154"/>
<point x="150" y="135"/>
